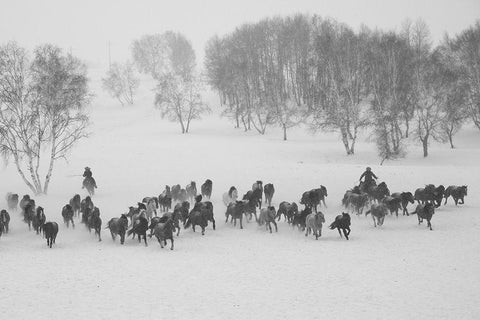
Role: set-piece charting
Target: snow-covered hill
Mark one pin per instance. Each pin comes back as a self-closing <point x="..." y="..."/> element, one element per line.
<point x="398" y="271"/>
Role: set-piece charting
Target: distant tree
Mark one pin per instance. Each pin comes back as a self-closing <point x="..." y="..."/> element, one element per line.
<point x="178" y="87"/>
<point x="180" y="101"/>
<point x="41" y="109"/>
<point x="121" y="82"/>
<point x="465" y="48"/>
<point x="150" y="54"/>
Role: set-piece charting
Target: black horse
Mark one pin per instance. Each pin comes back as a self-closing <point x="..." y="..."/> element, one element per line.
<point x="405" y="198"/>
<point x="75" y="203"/>
<point x="29" y="213"/>
<point x="300" y="220"/>
<point x="67" y="214"/>
<point x="288" y="210"/>
<point x="140" y="229"/>
<point x="95" y="222"/>
<point x="342" y="222"/>
<point x="425" y="211"/>
<point x="393" y="204"/>
<point x="50" y="231"/>
<point x="118" y="226"/>
<point x="206" y="188"/>
<point x="4" y="221"/>
<point x="165" y="201"/>
<point x="163" y="231"/>
<point x="39" y="220"/>
<point x="314" y="197"/>
<point x="269" y="191"/>
<point x="254" y="197"/>
<point x="201" y="213"/>
<point x="236" y="210"/>
<point x="457" y="193"/>
<point x="23" y="202"/>
<point x="182" y="210"/>
<point x="430" y="194"/>
<point x="86" y="207"/>
<point x="378" y="192"/>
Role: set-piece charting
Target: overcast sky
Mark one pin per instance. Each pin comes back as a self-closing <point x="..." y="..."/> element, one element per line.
<point x="86" y="26"/>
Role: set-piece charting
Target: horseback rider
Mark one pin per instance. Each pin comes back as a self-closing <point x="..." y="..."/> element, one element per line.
<point x="88" y="175"/>
<point x="369" y="178"/>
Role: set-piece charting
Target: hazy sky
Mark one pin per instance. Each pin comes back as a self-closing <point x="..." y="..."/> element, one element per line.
<point x="86" y="26"/>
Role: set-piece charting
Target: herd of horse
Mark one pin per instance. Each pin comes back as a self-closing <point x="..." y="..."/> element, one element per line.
<point x="379" y="200"/>
<point x="153" y="216"/>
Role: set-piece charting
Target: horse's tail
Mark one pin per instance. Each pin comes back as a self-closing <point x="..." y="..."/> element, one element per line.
<point x="368" y="211"/>
<point x="129" y="232"/>
<point x="333" y="225"/>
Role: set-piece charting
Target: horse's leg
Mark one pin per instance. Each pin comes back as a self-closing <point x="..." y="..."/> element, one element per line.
<point x="346" y="233"/>
<point x="213" y="222"/>
<point x="160" y="241"/>
<point x="113" y="235"/>
<point x="374" y="222"/>
<point x="339" y="232"/>
<point x="241" y="225"/>
<point x="307" y="231"/>
<point x="463" y="200"/>
<point x="456" y="200"/>
<point x="145" y="238"/>
<point x="203" y="230"/>
<point x="171" y="240"/>
<point x="275" y="224"/>
<point x="73" y="224"/>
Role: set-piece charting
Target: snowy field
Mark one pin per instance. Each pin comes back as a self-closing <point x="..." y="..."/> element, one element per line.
<point x="398" y="271"/>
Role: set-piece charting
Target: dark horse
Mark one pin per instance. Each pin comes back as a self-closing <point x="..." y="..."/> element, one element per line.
<point x="236" y="210"/>
<point x="118" y="226"/>
<point x="201" y="213"/>
<point x="29" y="213"/>
<point x="457" y="193"/>
<point x="4" y="221"/>
<point x="75" y="204"/>
<point x="95" y="222"/>
<point x="163" y="231"/>
<point x="288" y="210"/>
<point x="206" y="189"/>
<point x="405" y="198"/>
<point x="38" y="220"/>
<point x="430" y="194"/>
<point x="342" y="222"/>
<point x="377" y="192"/>
<point x="300" y="219"/>
<point x="140" y="228"/>
<point x="67" y="214"/>
<point x="425" y="211"/>
<point x="50" y="231"/>
<point x="312" y="198"/>
<point x="269" y="191"/>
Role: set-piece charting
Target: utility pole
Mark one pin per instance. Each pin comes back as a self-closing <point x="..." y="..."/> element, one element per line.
<point x="109" y="56"/>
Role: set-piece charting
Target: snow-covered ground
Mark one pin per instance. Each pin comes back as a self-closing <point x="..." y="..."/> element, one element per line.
<point x="398" y="271"/>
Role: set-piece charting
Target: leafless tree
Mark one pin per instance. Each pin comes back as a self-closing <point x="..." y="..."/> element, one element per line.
<point x="178" y="87"/>
<point x="41" y="109"/>
<point x="121" y="82"/>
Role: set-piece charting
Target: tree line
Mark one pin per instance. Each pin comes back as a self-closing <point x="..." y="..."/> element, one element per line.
<point x="305" y="69"/>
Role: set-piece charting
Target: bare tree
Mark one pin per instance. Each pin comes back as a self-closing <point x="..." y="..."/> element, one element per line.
<point x="178" y="87"/>
<point x="41" y="108"/>
<point x="121" y="82"/>
<point x="465" y="50"/>
<point x="180" y="101"/>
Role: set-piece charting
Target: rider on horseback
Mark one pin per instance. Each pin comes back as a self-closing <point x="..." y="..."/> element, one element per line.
<point x="369" y="178"/>
<point x="88" y="175"/>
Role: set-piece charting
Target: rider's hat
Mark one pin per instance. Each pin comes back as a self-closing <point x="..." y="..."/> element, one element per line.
<point x="87" y="168"/>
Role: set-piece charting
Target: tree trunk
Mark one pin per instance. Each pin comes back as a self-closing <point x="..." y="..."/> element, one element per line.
<point x="20" y="171"/>
<point x="284" y="132"/>
<point x="425" y="146"/>
<point x="450" y="138"/>
<point x="50" y="168"/>
<point x="407" y="125"/>
<point x="345" y="141"/>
